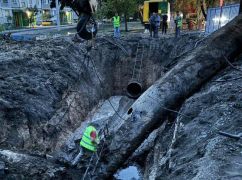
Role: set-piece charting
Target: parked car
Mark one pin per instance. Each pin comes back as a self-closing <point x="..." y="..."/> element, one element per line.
<point x="46" y="23"/>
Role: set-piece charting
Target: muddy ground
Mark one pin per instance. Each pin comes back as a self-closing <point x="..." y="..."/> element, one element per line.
<point x="49" y="88"/>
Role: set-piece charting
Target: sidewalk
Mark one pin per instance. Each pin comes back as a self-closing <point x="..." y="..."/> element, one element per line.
<point x="40" y="33"/>
<point x="38" y="28"/>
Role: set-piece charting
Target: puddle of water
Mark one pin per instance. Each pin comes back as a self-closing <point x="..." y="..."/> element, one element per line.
<point x="129" y="173"/>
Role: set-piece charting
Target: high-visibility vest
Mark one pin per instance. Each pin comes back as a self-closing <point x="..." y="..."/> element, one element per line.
<point x="86" y="140"/>
<point x="179" y="22"/>
<point x="116" y="21"/>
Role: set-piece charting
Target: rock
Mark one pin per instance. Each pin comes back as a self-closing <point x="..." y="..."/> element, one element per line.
<point x="23" y="165"/>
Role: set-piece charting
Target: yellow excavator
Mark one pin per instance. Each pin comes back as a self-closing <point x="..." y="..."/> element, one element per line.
<point x="158" y="6"/>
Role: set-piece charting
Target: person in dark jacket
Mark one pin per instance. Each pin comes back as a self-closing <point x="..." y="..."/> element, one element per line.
<point x="154" y="24"/>
<point x="164" y="23"/>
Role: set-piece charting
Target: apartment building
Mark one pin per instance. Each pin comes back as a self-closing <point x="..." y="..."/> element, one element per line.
<point x="17" y="13"/>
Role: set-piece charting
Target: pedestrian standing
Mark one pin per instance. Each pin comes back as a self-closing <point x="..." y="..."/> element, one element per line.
<point x="178" y="22"/>
<point x="164" y="23"/>
<point x="116" y="25"/>
<point x="154" y="24"/>
<point x="157" y="24"/>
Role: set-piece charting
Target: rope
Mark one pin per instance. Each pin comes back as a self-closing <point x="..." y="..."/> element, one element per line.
<point x="168" y="109"/>
<point x="225" y="80"/>
<point x="238" y="69"/>
<point x="194" y="47"/>
<point x="99" y="79"/>
<point x="94" y="169"/>
<point x="103" y="129"/>
<point x="89" y="164"/>
<point x="118" y="45"/>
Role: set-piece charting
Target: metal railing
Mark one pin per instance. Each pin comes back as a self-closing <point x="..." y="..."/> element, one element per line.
<point x="218" y="17"/>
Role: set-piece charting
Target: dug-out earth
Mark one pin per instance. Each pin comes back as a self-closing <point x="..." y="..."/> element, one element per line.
<point x="50" y="89"/>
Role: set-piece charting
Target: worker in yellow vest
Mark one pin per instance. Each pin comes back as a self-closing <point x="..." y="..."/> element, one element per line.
<point x="116" y="25"/>
<point x="89" y="143"/>
<point x="90" y="139"/>
<point x="178" y="22"/>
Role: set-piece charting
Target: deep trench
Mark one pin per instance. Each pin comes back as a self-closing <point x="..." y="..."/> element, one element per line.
<point x="78" y="78"/>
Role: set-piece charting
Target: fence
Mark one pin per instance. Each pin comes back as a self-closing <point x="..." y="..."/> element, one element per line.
<point x="218" y="17"/>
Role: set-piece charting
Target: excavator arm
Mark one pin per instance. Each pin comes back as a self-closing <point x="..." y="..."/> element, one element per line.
<point x="86" y="26"/>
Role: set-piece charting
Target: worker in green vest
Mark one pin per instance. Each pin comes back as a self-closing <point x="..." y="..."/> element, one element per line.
<point x="90" y="139"/>
<point x="178" y="22"/>
<point x="89" y="143"/>
<point x="116" y="25"/>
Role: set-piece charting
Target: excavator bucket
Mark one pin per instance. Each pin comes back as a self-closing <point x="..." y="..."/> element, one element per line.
<point x="87" y="27"/>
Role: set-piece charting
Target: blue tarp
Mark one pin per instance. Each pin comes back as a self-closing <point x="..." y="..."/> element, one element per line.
<point x="218" y="17"/>
<point x="22" y="37"/>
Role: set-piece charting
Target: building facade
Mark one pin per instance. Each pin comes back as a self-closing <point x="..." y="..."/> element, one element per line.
<point x="21" y="13"/>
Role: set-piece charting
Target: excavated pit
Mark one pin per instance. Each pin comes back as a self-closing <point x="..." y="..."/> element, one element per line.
<point x="50" y="88"/>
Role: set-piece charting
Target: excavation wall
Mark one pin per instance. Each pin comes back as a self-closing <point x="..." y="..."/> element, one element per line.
<point x="48" y="87"/>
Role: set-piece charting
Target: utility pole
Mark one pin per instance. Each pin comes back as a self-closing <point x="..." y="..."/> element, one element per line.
<point x="57" y="14"/>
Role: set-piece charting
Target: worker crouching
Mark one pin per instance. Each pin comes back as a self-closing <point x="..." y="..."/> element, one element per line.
<point x="88" y="143"/>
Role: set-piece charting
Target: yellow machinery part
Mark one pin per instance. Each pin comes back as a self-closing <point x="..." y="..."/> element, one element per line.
<point x="46" y="23"/>
<point x="146" y="12"/>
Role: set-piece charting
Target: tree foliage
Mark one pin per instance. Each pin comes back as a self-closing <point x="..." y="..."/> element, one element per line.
<point x="33" y="12"/>
<point x="124" y="8"/>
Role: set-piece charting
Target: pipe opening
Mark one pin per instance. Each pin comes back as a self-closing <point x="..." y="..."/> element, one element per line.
<point x="134" y="89"/>
<point x="130" y="110"/>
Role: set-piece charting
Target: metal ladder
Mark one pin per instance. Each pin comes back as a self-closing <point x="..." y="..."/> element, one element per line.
<point x="138" y="62"/>
<point x="105" y="133"/>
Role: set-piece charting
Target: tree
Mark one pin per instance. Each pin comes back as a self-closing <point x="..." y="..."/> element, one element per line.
<point x="122" y="7"/>
<point x="46" y="16"/>
<point x="206" y="4"/>
<point x="33" y="12"/>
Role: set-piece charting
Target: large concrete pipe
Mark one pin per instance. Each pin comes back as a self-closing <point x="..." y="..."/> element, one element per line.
<point x="150" y="110"/>
<point x="134" y="89"/>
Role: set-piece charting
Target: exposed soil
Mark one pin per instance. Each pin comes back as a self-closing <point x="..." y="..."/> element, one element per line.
<point x="48" y="87"/>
